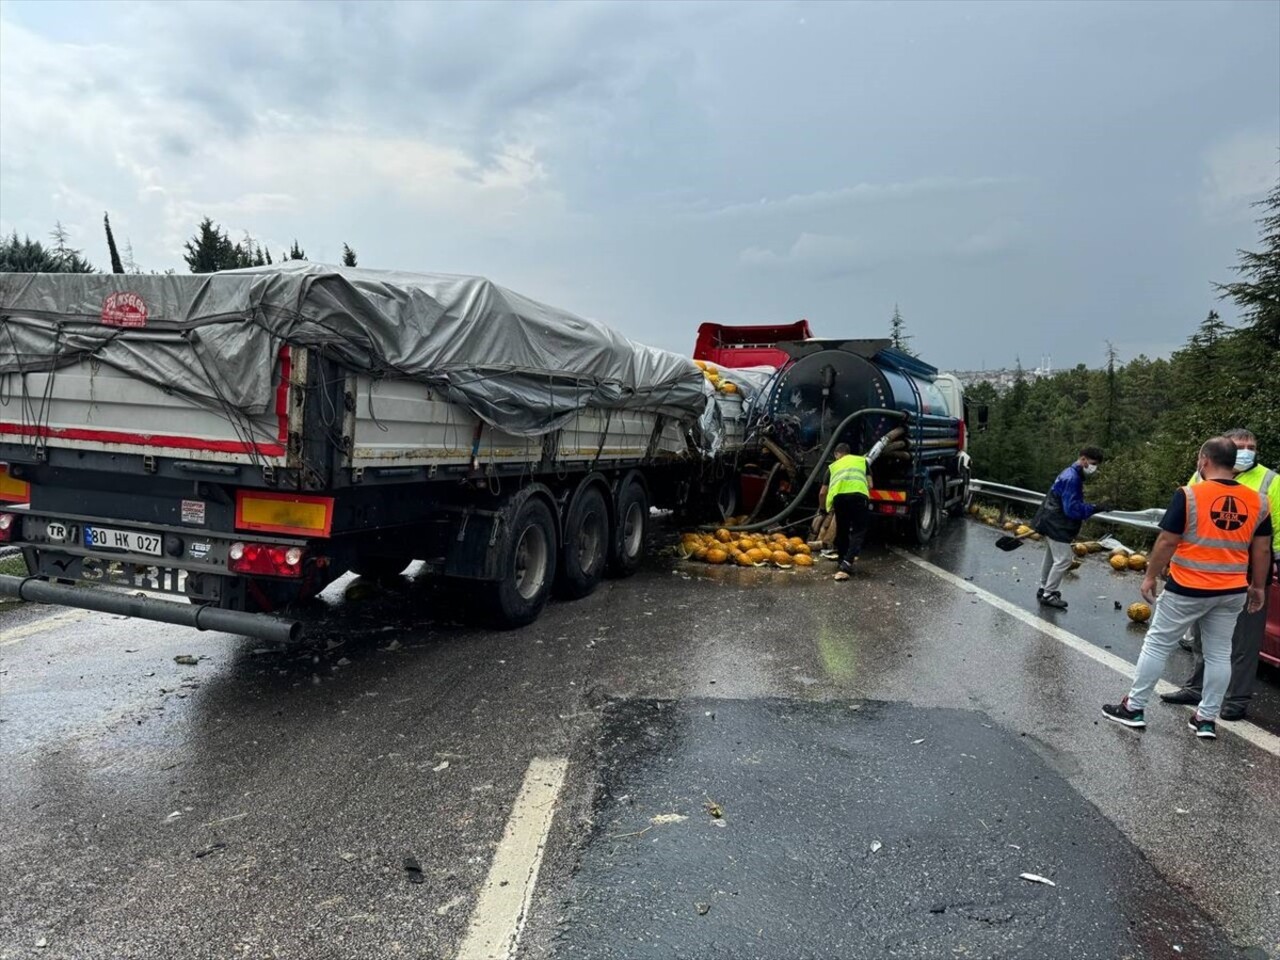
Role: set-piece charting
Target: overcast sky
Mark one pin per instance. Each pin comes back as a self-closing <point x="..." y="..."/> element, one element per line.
<point x="1021" y="178"/>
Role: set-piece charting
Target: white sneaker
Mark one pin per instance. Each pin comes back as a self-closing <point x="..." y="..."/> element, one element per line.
<point x="829" y="555"/>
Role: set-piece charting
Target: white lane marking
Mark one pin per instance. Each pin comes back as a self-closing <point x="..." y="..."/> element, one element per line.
<point x="14" y="634"/>
<point x="1240" y="728"/>
<point x="500" y="914"/>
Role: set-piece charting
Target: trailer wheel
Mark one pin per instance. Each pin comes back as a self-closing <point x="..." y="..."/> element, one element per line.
<point x="924" y="519"/>
<point x="528" y="566"/>
<point x="628" y="534"/>
<point x="585" y="549"/>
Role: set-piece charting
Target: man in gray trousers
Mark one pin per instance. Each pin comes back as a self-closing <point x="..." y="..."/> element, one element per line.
<point x="1246" y="641"/>
<point x="1216" y="543"/>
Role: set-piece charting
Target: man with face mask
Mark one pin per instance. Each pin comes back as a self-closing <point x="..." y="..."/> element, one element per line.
<point x="1059" y="519"/>
<point x="1246" y="641"/>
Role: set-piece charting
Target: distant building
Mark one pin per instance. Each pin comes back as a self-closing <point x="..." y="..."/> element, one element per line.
<point x="1004" y="378"/>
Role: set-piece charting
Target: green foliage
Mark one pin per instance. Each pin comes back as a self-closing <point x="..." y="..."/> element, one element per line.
<point x="898" y="332"/>
<point x="348" y="256"/>
<point x="116" y="265"/>
<point x="296" y="252"/>
<point x="24" y="255"/>
<point x="210" y="250"/>
<point x="1150" y="416"/>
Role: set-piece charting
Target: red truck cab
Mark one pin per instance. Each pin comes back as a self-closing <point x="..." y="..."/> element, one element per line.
<point x="752" y="346"/>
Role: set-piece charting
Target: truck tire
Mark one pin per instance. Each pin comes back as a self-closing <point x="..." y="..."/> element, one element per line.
<point x="584" y="551"/>
<point x="628" y="533"/>
<point x="926" y="515"/>
<point x="528" y="566"/>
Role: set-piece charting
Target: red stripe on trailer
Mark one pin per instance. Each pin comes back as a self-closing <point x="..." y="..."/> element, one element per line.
<point x="173" y="441"/>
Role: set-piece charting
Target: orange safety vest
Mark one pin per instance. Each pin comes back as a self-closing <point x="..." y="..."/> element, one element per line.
<point x="1213" y="553"/>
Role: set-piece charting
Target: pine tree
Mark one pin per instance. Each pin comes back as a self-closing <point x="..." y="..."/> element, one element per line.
<point x="116" y="265"/>
<point x="348" y="256"/>
<point x="898" y="332"/>
<point x="268" y="256"/>
<point x="130" y="264"/>
<point x="66" y="259"/>
<point x="210" y="250"/>
<point x="1257" y="294"/>
<point x="296" y="252"/>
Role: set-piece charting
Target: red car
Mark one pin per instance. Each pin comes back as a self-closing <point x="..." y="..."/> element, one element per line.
<point x="1271" y="639"/>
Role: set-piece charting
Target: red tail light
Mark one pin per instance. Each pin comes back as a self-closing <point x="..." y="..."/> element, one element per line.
<point x="270" y="559"/>
<point x="7" y="523"/>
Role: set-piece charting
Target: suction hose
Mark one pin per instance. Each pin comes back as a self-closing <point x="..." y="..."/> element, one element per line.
<point x="817" y="470"/>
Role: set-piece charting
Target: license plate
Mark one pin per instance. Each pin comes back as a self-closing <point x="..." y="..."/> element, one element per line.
<point x="125" y="541"/>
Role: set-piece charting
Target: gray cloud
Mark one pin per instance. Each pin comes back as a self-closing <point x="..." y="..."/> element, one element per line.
<point x="1022" y="178"/>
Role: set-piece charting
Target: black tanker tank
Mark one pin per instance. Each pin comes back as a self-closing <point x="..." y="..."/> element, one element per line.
<point x="828" y="380"/>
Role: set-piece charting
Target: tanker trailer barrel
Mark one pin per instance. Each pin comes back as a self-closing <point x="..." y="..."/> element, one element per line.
<point x="818" y="469"/>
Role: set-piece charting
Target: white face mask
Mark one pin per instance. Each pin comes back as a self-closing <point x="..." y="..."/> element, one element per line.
<point x="1090" y="469"/>
<point x="1245" y="459"/>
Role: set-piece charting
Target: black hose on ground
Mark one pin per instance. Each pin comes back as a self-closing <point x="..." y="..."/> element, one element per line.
<point x="817" y="470"/>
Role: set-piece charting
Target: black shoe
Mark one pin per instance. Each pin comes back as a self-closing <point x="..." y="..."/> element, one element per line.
<point x="1204" y="729"/>
<point x="1039" y="593"/>
<point x="846" y="566"/>
<point x="1233" y="713"/>
<point x="1054" y="600"/>
<point x="1183" y="695"/>
<point x="1120" y="713"/>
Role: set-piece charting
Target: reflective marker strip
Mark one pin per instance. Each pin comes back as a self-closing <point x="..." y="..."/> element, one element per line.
<point x="13" y="490"/>
<point x="284" y="513"/>
<point x="503" y="909"/>
<point x="899" y="496"/>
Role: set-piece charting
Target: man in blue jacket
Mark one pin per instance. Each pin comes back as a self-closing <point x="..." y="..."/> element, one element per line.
<point x="1059" y="520"/>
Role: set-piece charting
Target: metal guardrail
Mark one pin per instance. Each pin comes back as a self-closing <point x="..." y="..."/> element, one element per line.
<point x="1147" y="520"/>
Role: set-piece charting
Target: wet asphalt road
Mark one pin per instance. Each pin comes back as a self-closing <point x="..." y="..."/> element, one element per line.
<point x="264" y="803"/>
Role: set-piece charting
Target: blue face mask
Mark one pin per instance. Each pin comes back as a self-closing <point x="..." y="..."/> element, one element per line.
<point x="1245" y="459"/>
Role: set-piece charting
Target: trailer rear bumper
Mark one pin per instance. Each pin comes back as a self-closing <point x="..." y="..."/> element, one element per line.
<point x="202" y="617"/>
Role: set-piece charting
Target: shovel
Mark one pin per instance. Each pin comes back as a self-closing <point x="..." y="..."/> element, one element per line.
<point x="1007" y="543"/>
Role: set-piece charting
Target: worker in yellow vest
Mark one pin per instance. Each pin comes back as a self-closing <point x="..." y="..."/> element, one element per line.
<point x="1216" y="542"/>
<point x="1246" y="641"/>
<point x="848" y="496"/>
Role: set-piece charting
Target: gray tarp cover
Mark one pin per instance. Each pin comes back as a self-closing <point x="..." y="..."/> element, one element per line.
<point x="516" y="363"/>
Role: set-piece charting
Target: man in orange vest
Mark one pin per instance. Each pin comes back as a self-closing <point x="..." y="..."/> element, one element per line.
<point x="1216" y="542"/>
<point x="1246" y="641"/>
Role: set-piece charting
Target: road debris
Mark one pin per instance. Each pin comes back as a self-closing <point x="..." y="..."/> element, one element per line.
<point x="413" y="870"/>
<point x="347" y="856"/>
<point x="211" y="849"/>
<point x="442" y="765"/>
<point x="916" y="743"/>
<point x="234" y="816"/>
<point x="876" y="846"/>
<point x="713" y="808"/>
<point x="702" y="908"/>
<point x="186" y="660"/>
<point x="668" y="818"/>
<point x="1036" y="878"/>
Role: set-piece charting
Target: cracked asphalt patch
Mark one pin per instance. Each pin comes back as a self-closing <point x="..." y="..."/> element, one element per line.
<point x="853" y="830"/>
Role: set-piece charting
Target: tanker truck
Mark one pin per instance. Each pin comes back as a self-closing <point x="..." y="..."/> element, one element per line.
<point x="825" y="391"/>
